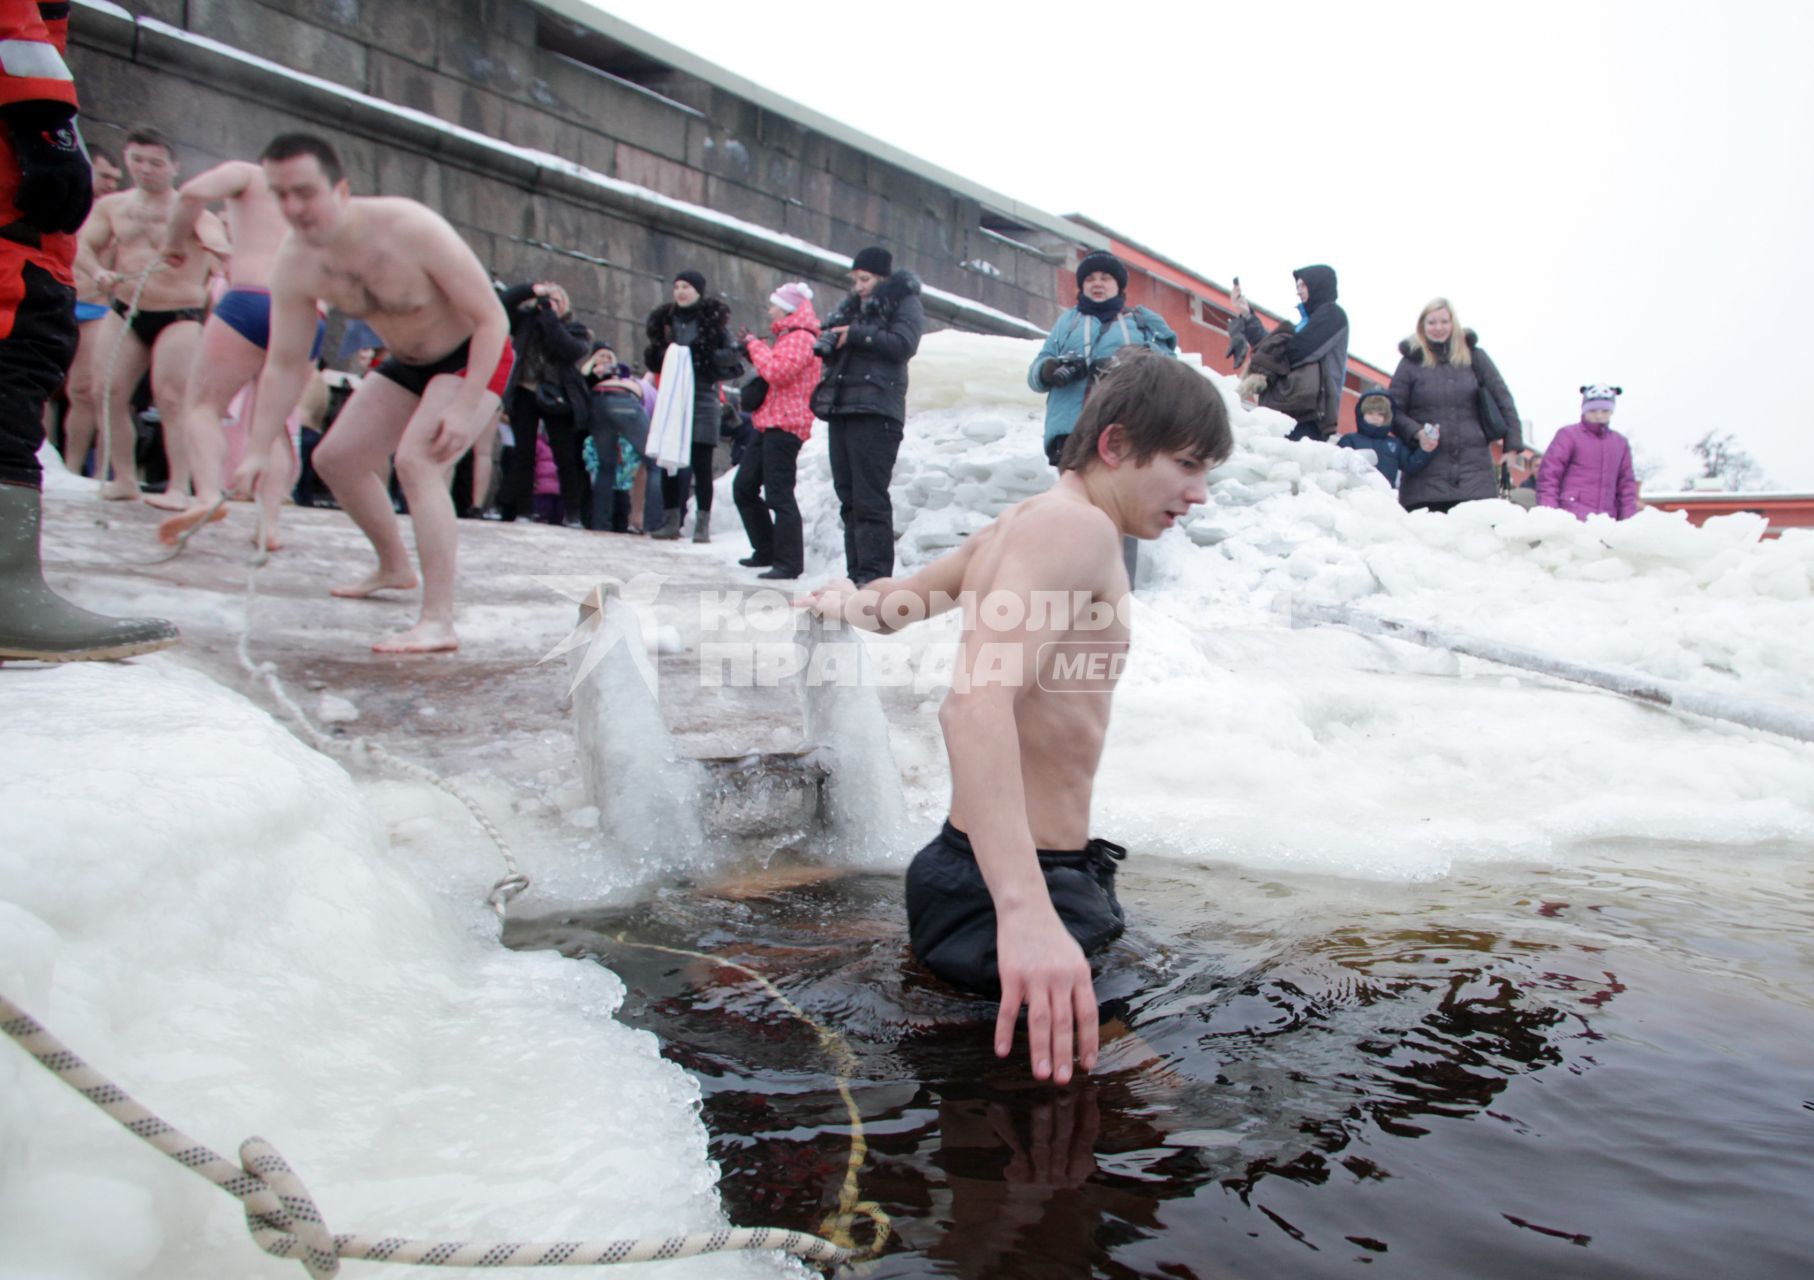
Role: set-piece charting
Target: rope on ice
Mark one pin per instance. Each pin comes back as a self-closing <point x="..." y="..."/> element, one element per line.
<point x="284" y="1221"/>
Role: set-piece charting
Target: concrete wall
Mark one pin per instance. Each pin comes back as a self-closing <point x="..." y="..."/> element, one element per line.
<point x="480" y="64"/>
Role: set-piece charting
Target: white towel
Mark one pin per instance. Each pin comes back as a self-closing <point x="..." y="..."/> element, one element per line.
<point x="671" y="431"/>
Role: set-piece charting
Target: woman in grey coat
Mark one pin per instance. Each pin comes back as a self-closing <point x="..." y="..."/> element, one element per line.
<point x="1438" y="386"/>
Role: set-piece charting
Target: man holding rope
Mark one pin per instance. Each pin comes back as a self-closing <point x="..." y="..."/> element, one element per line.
<point x="399" y="266"/>
<point x="157" y="310"/>
<point x="232" y="348"/>
<point x="45" y="192"/>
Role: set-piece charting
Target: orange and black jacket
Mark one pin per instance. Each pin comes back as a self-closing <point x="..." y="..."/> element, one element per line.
<point x="33" y="36"/>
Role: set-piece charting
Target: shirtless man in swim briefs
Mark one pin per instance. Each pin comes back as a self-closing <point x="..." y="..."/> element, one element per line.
<point x="232" y="348"/>
<point x="400" y="267"/>
<point x="129" y="227"/>
<point x="1013" y="895"/>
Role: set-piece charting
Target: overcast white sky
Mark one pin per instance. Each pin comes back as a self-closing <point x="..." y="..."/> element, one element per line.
<point x="1608" y="191"/>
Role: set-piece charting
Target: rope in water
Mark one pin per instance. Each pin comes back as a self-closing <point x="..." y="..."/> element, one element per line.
<point x="285" y="1222"/>
<point x="837" y="1224"/>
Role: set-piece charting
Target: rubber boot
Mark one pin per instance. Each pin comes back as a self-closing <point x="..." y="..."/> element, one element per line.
<point x="39" y="625"/>
<point x="670" y="526"/>
<point x="702" y="525"/>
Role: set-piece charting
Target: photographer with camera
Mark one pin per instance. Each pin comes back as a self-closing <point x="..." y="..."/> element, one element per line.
<point x="866" y="344"/>
<point x="1086" y="338"/>
<point x="545" y="392"/>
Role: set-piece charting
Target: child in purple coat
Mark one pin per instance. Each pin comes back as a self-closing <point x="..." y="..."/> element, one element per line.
<point x="1587" y="468"/>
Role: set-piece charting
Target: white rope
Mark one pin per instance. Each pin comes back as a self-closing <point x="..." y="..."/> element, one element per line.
<point x="513" y="882"/>
<point x="113" y="360"/>
<point x="284" y="1221"/>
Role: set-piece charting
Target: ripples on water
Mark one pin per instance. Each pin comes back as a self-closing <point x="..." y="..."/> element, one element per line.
<point x="1602" y="1070"/>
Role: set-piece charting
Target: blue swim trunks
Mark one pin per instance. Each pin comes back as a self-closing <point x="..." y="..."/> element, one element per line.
<point x="86" y="311"/>
<point x="248" y="313"/>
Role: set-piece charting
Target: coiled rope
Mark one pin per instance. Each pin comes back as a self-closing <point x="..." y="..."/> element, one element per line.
<point x="284" y="1221"/>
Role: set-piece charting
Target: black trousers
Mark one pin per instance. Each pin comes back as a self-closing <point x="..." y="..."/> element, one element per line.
<point x="863" y="449"/>
<point x="673" y="487"/>
<point x="764" y="491"/>
<point x="519" y="499"/>
<point x="951" y="915"/>
<point x="34" y="359"/>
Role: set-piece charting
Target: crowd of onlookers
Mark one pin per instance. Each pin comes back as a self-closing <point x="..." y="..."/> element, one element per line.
<point x="585" y="441"/>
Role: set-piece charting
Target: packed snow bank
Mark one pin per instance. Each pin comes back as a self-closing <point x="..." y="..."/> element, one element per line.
<point x="211" y="913"/>
<point x="1235" y="736"/>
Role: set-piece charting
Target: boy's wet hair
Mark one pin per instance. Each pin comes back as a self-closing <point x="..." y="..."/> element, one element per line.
<point x="1161" y="404"/>
<point x="291" y="146"/>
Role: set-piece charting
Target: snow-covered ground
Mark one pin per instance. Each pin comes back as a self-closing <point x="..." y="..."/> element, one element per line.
<point x="1238" y="737"/>
<point x="254" y="942"/>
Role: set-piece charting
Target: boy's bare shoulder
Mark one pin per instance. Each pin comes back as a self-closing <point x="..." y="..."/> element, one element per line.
<point x="1056" y="517"/>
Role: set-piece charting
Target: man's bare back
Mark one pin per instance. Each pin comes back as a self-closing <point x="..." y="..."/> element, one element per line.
<point x="255" y="227"/>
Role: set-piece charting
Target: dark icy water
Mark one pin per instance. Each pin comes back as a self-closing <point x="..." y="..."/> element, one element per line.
<point x="1604" y="1069"/>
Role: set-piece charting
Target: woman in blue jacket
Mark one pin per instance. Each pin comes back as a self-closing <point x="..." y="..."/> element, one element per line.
<point x="1086" y="338"/>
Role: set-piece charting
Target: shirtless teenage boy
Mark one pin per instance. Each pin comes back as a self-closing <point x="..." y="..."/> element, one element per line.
<point x="129" y="227"/>
<point x="1013" y="894"/>
<point x="232" y="348"/>
<point x="400" y="267"/>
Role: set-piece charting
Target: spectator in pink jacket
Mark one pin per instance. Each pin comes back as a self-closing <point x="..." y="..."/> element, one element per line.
<point x="548" y="505"/>
<point x="764" y="487"/>
<point x="1587" y="468"/>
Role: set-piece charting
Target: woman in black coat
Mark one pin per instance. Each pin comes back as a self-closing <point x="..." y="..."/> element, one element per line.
<point x="545" y="392"/>
<point x="862" y="395"/>
<point x="1446" y="385"/>
<point x="702" y="325"/>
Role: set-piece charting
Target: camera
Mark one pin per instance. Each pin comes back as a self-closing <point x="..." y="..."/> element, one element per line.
<point x="826" y="344"/>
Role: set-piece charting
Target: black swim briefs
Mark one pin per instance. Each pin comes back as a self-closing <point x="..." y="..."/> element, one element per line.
<point x="414" y="378"/>
<point x="146" y="325"/>
<point x="951" y="917"/>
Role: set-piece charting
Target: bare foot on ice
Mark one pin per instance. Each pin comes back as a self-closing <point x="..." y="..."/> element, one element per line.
<point x="171" y="529"/>
<point x="118" y="490"/>
<point x="424" y="637"/>
<point x="274" y="543"/>
<point x="166" y="501"/>
<point x="377" y="580"/>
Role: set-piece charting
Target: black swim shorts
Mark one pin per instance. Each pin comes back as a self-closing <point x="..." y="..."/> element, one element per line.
<point x="147" y="325"/>
<point x="414" y="378"/>
<point x="951" y="917"/>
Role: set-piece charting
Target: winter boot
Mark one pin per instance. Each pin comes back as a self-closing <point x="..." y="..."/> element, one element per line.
<point x="702" y="525"/>
<point x="38" y="624"/>
<point x="670" y="526"/>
